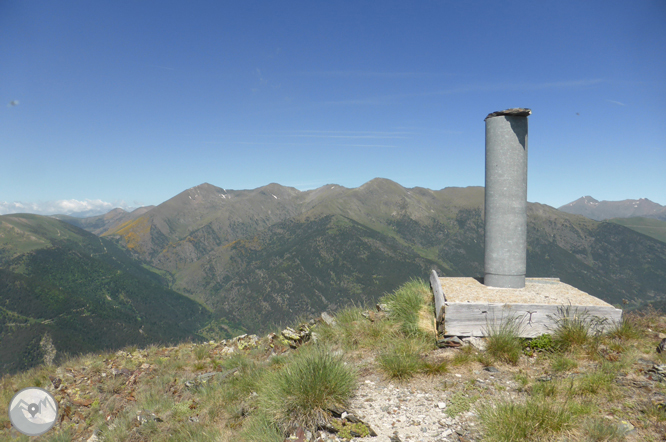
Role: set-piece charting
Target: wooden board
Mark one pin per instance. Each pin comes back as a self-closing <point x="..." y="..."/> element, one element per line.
<point x="436" y="287"/>
<point x="534" y="319"/>
<point x="465" y="307"/>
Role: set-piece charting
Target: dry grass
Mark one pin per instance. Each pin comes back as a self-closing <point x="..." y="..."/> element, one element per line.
<point x="581" y="389"/>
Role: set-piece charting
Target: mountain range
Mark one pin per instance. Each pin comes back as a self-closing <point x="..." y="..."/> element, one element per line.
<point x="602" y="210"/>
<point x="65" y="291"/>
<point x="258" y="257"/>
<point x="249" y="260"/>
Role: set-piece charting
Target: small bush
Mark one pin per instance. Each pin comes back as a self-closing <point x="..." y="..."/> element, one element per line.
<point x="575" y="328"/>
<point x="353" y="330"/>
<point x="400" y="362"/>
<point x="537" y="418"/>
<point x="303" y="390"/>
<point x="543" y="343"/>
<point x="410" y="306"/>
<point x="402" y="358"/>
<point x="624" y="330"/>
<point x="503" y="342"/>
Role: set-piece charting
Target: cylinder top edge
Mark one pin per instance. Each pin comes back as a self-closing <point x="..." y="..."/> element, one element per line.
<point x="513" y="112"/>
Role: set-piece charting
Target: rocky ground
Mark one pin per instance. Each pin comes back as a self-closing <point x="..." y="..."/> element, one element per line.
<point x="94" y="392"/>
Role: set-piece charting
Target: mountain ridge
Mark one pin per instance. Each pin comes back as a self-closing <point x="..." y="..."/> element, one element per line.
<point x="225" y="244"/>
<point x="603" y="210"/>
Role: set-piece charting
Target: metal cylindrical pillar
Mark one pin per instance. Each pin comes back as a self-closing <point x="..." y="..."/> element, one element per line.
<point x="506" y="198"/>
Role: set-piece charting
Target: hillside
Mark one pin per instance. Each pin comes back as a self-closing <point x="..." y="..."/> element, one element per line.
<point x="102" y="223"/>
<point x="647" y="226"/>
<point x="283" y="252"/>
<point x="376" y="375"/>
<point x="602" y="210"/>
<point x="65" y="291"/>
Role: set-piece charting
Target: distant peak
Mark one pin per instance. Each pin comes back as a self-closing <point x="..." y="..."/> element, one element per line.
<point x="380" y="182"/>
<point x="205" y="186"/>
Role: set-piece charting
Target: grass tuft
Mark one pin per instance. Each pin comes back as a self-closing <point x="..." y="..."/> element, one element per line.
<point x="303" y="390"/>
<point x="538" y="417"/>
<point x="411" y="307"/>
<point x="624" y="330"/>
<point x="575" y="328"/>
<point x="561" y="363"/>
<point x="401" y="360"/>
<point x="260" y="428"/>
<point x="503" y="341"/>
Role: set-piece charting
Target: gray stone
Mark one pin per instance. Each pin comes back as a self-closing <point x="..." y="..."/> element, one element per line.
<point x="291" y="334"/>
<point x="328" y="319"/>
<point x="478" y="343"/>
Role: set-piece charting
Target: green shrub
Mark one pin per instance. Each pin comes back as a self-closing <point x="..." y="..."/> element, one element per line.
<point x="503" y="342"/>
<point x="353" y="330"/>
<point x="464" y="356"/>
<point x="542" y="343"/>
<point x="536" y="419"/>
<point x="400" y="363"/>
<point x="625" y="330"/>
<point x="303" y="390"/>
<point x="575" y="328"/>
<point x="406" y="306"/>
<point x="401" y="359"/>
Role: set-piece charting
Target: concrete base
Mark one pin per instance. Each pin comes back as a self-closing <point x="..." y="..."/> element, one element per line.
<point x="466" y="307"/>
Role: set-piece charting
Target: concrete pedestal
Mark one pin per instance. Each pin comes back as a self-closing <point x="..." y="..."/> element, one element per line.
<point x="465" y="307"/>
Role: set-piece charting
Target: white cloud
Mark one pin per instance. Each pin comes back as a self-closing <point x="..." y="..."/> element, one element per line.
<point x="616" y="102"/>
<point x="70" y="207"/>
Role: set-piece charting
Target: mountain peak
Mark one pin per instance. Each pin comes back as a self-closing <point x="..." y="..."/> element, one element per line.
<point x="380" y="183"/>
<point x="601" y="210"/>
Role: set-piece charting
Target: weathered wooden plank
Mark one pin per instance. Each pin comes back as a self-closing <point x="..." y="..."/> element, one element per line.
<point x="473" y="319"/>
<point x="436" y="288"/>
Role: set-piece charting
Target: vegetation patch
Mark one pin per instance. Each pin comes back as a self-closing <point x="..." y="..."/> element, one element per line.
<point x="575" y="328"/>
<point x="538" y="417"/>
<point x="460" y="402"/>
<point x="503" y="341"/>
<point x="349" y="430"/>
<point x="542" y="343"/>
<point x="302" y="392"/>
<point x="411" y="306"/>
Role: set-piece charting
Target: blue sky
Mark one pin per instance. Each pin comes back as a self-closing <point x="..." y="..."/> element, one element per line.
<point x="128" y="103"/>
